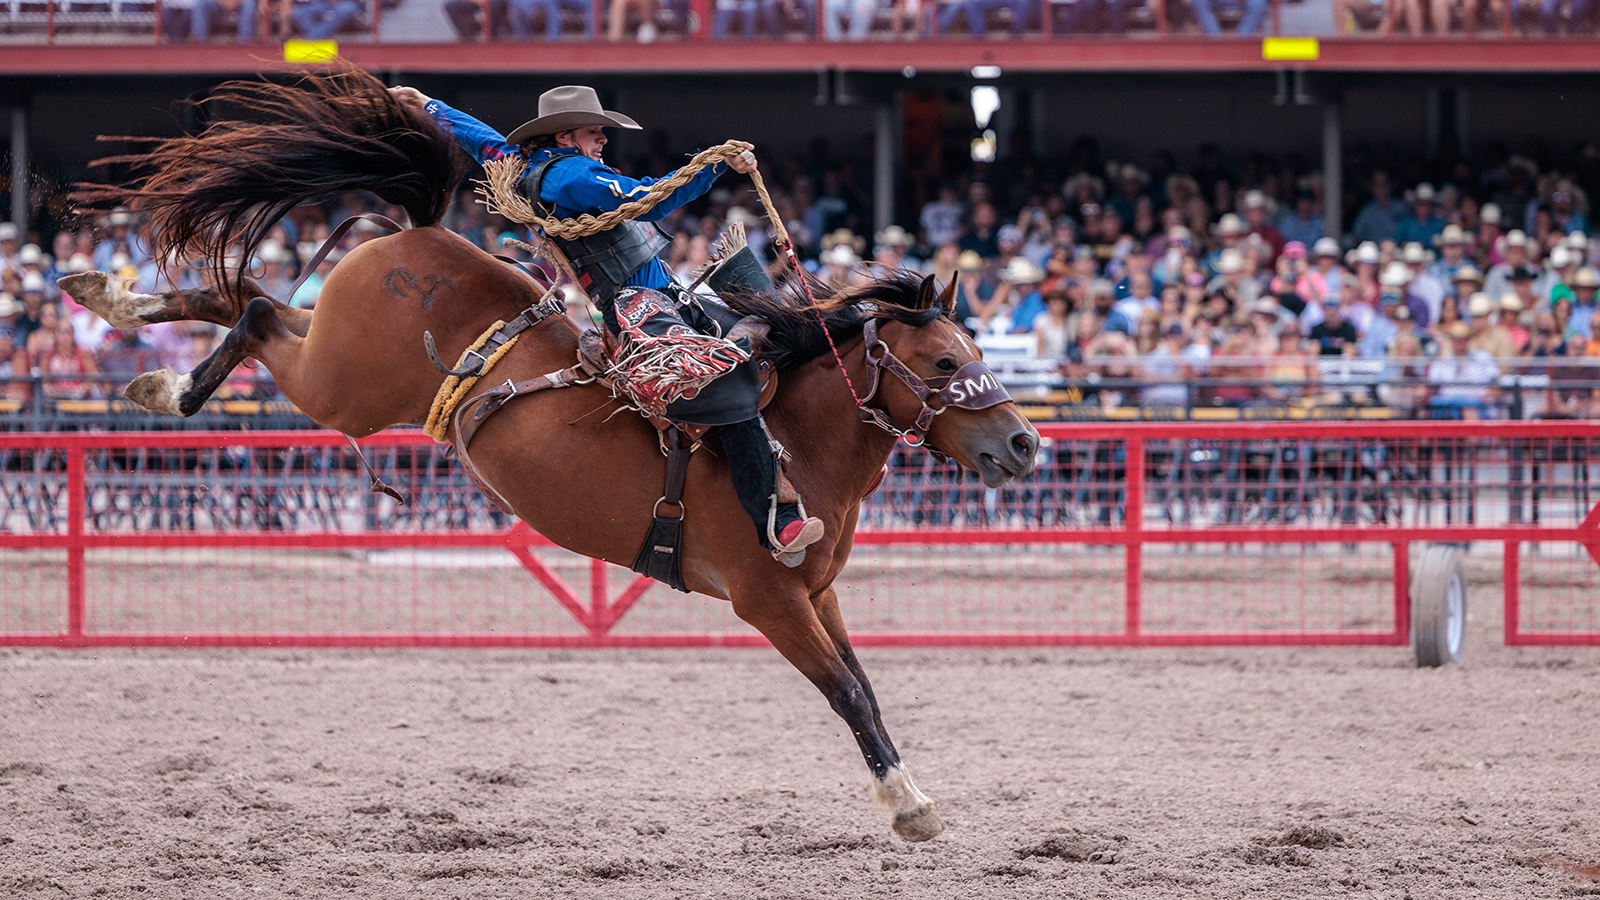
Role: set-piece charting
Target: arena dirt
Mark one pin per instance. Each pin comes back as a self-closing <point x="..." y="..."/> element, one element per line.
<point x="722" y="774"/>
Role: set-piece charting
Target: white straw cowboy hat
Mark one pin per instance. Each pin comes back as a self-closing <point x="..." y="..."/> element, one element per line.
<point x="568" y="107"/>
<point x="1022" y="270"/>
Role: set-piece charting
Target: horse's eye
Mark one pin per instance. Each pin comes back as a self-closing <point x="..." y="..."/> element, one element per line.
<point x="946" y="365"/>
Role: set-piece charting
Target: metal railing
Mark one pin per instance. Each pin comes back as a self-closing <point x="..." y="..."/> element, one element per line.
<point x="1128" y="534"/>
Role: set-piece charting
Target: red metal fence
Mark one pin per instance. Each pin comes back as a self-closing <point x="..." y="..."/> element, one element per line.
<point x="1239" y="533"/>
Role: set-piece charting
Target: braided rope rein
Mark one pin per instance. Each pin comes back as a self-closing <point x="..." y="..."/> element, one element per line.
<point x="500" y="192"/>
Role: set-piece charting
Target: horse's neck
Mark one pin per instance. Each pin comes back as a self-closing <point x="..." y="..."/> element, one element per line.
<point x="822" y="426"/>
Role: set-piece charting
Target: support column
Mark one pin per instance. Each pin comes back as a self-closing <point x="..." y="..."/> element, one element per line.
<point x="1333" y="164"/>
<point x="19" y="170"/>
<point x="886" y="139"/>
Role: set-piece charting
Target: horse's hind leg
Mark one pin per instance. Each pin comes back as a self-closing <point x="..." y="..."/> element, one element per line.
<point x="792" y="624"/>
<point x="110" y="299"/>
<point x="166" y="391"/>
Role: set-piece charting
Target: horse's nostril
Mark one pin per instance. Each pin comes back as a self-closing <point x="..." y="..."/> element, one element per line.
<point x="1024" y="444"/>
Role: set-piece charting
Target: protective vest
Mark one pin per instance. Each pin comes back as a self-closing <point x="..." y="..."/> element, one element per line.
<point x="604" y="261"/>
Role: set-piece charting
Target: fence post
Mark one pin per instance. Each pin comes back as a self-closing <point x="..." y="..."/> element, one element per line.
<point x="597" y="596"/>
<point x="1511" y="578"/>
<point x="77" y="505"/>
<point x="1402" y="591"/>
<point x="1133" y="527"/>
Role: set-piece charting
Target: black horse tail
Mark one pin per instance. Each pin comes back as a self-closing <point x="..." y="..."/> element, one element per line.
<point x="218" y="193"/>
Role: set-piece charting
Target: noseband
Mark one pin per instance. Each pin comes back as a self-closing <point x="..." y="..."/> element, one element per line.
<point x="973" y="386"/>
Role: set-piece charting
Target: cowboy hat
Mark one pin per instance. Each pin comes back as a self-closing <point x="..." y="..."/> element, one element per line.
<point x="840" y="255"/>
<point x="1480" y="304"/>
<point x="894" y="236"/>
<point x="565" y="108"/>
<point x="843" y="236"/>
<point x="1414" y="254"/>
<point x="1395" y="275"/>
<point x="1022" y="270"/>
<point x="1452" y="234"/>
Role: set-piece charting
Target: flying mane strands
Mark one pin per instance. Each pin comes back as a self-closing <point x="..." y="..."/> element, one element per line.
<point x="796" y="337"/>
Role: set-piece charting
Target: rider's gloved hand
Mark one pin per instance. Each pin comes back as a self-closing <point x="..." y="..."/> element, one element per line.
<point x="409" y="96"/>
<point x="744" y="162"/>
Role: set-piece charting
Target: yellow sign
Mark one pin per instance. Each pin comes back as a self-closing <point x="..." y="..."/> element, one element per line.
<point x="1290" y="48"/>
<point x="310" y="51"/>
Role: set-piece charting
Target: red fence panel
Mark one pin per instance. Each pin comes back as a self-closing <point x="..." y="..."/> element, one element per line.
<point x="1127" y="535"/>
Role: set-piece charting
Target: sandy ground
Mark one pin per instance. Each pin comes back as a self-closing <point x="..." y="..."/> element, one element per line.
<point x="1075" y="773"/>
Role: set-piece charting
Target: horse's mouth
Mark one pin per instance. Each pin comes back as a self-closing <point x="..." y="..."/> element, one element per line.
<point x="994" y="472"/>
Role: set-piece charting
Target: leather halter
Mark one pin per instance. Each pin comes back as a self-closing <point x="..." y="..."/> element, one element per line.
<point x="973" y="386"/>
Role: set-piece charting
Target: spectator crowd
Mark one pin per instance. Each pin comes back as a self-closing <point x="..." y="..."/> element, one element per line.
<point x="1214" y="285"/>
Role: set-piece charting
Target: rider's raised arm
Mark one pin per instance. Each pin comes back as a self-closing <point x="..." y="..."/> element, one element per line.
<point x="594" y="187"/>
<point x="480" y="141"/>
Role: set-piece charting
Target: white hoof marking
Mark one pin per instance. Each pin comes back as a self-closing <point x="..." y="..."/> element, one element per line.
<point x="111" y="300"/>
<point x="914" y="817"/>
<point x="158" y="391"/>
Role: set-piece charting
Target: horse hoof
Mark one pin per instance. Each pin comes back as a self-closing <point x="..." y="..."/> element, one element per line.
<point x="158" y="391"/>
<point x="919" y="825"/>
<point x="107" y="298"/>
<point x="914" y="818"/>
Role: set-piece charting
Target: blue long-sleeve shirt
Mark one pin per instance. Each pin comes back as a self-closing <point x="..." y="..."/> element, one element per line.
<point x="580" y="186"/>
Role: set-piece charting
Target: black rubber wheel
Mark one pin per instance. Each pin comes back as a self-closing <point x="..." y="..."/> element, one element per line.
<point x="1439" y="605"/>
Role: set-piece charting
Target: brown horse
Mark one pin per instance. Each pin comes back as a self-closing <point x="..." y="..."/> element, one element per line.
<point x="584" y="478"/>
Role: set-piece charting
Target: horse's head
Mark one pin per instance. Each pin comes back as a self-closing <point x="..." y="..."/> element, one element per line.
<point x="930" y="381"/>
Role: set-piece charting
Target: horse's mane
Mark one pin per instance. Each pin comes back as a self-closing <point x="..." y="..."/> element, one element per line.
<point x="797" y="337"/>
<point x="306" y="141"/>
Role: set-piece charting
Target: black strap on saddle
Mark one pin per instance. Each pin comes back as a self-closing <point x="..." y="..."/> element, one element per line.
<point x="660" y="556"/>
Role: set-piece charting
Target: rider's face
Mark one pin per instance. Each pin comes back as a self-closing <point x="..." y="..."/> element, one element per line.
<point x="589" y="140"/>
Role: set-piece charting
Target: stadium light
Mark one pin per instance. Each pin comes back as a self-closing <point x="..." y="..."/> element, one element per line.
<point x="985" y="102"/>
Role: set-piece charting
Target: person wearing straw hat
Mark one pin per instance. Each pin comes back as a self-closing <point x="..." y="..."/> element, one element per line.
<point x="1585" y="283"/>
<point x="1462" y="378"/>
<point x="1485" y="333"/>
<point x="1513" y="250"/>
<point x="1511" y="307"/>
<point x="1021" y="278"/>
<point x="890" y="247"/>
<point x="1421" y="223"/>
<point x="619" y="266"/>
<point x="1453" y="243"/>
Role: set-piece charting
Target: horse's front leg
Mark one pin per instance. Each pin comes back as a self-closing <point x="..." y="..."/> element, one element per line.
<point x="793" y="626"/>
<point x="914" y="817"/>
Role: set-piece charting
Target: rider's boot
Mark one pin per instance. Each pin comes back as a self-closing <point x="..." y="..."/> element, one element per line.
<point x="781" y="524"/>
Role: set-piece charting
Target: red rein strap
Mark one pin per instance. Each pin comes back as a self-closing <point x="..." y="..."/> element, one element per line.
<point x="867" y="415"/>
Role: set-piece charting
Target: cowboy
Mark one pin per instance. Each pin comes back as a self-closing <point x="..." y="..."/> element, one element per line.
<point x="567" y="178"/>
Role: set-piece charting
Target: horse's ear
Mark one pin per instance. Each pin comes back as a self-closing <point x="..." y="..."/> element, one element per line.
<point x="947" y="297"/>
